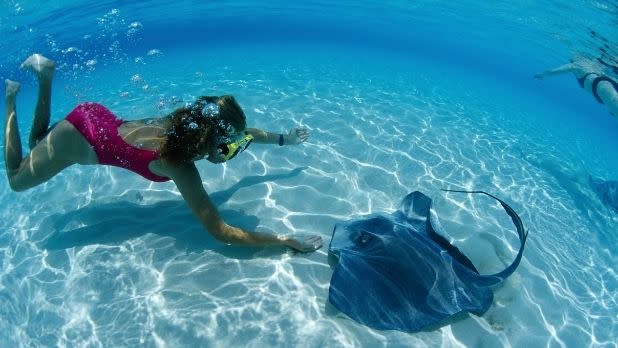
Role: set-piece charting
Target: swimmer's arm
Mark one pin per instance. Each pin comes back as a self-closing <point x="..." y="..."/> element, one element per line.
<point x="293" y="137"/>
<point x="189" y="184"/>
<point x="566" y="68"/>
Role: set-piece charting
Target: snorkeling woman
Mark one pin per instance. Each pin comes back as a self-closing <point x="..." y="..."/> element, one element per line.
<point x="159" y="149"/>
<point x="593" y="77"/>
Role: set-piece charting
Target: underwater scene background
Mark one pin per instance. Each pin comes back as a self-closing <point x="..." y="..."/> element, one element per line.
<point x="398" y="96"/>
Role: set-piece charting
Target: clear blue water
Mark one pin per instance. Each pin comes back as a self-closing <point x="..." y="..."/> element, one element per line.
<point x="398" y="96"/>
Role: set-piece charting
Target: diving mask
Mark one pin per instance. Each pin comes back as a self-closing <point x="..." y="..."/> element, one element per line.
<point x="230" y="150"/>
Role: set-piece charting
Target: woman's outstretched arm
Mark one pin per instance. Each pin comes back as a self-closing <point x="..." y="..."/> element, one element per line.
<point x="189" y="184"/>
<point x="293" y="137"/>
<point x="566" y="68"/>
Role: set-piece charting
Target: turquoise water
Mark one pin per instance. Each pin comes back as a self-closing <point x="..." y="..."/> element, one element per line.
<point x="398" y="97"/>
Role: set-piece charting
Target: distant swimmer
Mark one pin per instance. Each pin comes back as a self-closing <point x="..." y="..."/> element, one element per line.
<point x="591" y="76"/>
<point x="158" y="149"/>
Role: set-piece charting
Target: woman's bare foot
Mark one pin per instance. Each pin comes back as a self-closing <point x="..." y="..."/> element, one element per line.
<point x="42" y="67"/>
<point x="12" y="87"/>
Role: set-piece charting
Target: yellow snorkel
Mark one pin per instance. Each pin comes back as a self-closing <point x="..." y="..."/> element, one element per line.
<point x="230" y="150"/>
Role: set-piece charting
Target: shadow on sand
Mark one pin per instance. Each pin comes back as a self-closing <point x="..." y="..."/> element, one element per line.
<point x="117" y="222"/>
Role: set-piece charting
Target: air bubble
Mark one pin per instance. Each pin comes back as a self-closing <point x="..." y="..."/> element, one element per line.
<point x="211" y="109"/>
<point x="135" y="25"/>
<point x="154" y="52"/>
<point x="137" y="78"/>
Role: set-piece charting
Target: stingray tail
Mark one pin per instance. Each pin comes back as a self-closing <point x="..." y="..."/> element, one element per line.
<point x="493" y="279"/>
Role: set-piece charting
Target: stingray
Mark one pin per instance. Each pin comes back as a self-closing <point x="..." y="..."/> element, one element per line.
<point x="396" y="272"/>
<point x="606" y="190"/>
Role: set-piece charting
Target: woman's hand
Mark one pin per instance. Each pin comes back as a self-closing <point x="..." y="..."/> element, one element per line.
<point x="296" y="136"/>
<point x="304" y="243"/>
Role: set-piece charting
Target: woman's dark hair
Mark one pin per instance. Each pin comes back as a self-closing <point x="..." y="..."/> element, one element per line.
<point x="205" y="124"/>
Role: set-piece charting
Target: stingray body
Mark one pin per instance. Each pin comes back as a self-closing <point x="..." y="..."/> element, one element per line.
<point x="396" y="272"/>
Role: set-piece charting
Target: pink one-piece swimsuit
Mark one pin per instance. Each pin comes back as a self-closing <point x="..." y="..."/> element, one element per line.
<point x="100" y="128"/>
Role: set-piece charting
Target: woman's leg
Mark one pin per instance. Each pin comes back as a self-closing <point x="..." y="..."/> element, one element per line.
<point x="12" y="141"/>
<point x="44" y="70"/>
<point x="60" y="148"/>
